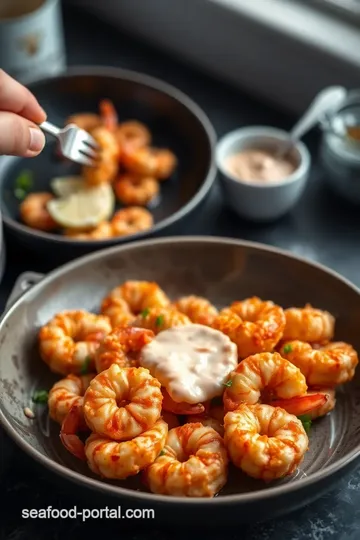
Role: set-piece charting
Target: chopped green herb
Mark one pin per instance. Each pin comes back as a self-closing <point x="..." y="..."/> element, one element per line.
<point x="228" y="383"/>
<point x="85" y="366"/>
<point x="162" y="453"/>
<point x="145" y="313"/>
<point x="40" y="396"/>
<point x="306" y="422"/>
<point x="287" y="348"/>
<point x="20" y="194"/>
<point x="159" y="320"/>
<point x="23" y="184"/>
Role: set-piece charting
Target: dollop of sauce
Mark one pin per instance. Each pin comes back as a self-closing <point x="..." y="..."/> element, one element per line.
<point x="253" y="164"/>
<point x="192" y="362"/>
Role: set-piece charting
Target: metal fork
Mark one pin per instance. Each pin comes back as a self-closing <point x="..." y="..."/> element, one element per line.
<point x="75" y="143"/>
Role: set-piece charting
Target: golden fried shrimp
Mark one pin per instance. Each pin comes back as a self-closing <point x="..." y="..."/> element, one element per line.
<point x="72" y="424"/>
<point x="327" y="407"/>
<point x="158" y="319"/>
<point x="117" y="309"/>
<point x="108" y="114"/>
<point x="121" y="347"/>
<point x="198" y="309"/>
<point x="106" y="167"/>
<point x="86" y="121"/>
<point x="119" y="460"/>
<point x="147" y="161"/>
<point x="101" y="232"/>
<point x="308" y="324"/>
<point x="263" y="375"/>
<point x="171" y="419"/>
<point x="329" y="366"/>
<point x="193" y="463"/>
<point x="208" y="421"/>
<point x="131" y="189"/>
<point x="68" y="342"/>
<point x="253" y="325"/>
<point x="138" y="295"/>
<point x="34" y="212"/>
<point x="121" y="403"/>
<point x="133" y="134"/>
<point x="265" y="442"/>
<point x="181" y="407"/>
<point x="66" y="393"/>
<point x="131" y="220"/>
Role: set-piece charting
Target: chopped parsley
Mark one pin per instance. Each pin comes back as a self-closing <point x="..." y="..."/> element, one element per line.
<point x="85" y="366"/>
<point x="23" y="184"/>
<point x="306" y="422"/>
<point x="145" y="313"/>
<point x="162" y="453"/>
<point x="287" y="348"/>
<point x="159" y="320"/>
<point x="228" y="383"/>
<point x="40" y="396"/>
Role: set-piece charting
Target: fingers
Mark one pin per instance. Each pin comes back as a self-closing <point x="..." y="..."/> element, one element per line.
<point x="17" y="99"/>
<point x="19" y="137"/>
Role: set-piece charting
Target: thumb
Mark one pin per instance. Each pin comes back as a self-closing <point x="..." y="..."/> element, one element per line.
<point x="19" y="137"/>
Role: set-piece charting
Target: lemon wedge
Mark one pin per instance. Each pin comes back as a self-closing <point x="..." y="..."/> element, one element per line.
<point x="63" y="186"/>
<point x="83" y="209"/>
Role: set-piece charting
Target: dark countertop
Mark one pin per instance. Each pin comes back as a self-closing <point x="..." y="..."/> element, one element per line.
<point x="321" y="228"/>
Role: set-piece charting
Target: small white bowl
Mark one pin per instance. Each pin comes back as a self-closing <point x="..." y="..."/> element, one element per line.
<point x="260" y="200"/>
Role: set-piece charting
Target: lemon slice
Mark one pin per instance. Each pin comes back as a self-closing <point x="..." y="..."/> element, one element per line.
<point x="83" y="209"/>
<point x="63" y="186"/>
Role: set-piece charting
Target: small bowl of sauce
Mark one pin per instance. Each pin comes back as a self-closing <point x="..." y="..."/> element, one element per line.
<point x="259" y="181"/>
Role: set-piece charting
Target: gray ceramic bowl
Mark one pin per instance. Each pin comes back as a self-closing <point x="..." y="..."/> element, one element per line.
<point x="258" y="200"/>
<point x="222" y="270"/>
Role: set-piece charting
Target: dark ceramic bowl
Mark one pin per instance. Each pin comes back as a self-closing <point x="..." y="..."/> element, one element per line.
<point x="222" y="270"/>
<point x="175" y="121"/>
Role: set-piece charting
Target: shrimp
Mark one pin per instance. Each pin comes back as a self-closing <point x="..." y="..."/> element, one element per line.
<point x="101" y="232"/>
<point x="266" y="373"/>
<point x="133" y="134"/>
<point x="308" y="324"/>
<point x="265" y="442"/>
<point x="214" y="418"/>
<point x="108" y="115"/>
<point x="68" y="342"/>
<point x="34" y="212"/>
<point x="253" y="325"/>
<point x="71" y="425"/>
<point x="328" y="366"/>
<point x="119" y="460"/>
<point x="171" y="419"/>
<point x="181" y="408"/>
<point x="131" y="220"/>
<point x="115" y="307"/>
<point x="66" y="393"/>
<point x="138" y="295"/>
<point x="158" y="319"/>
<point x="121" y="403"/>
<point x="193" y="463"/>
<point x="198" y="309"/>
<point x="106" y="167"/>
<point x="86" y="121"/>
<point x="147" y="161"/>
<point x="121" y="347"/>
<point x="131" y="189"/>
<point x="315" y="403"/>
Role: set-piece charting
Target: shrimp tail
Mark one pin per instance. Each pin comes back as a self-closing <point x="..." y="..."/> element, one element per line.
<point x="181" y="408"/>
<point x="73" y="422"/>
<point x="108" y="114"/>
<point x="302" y="404"/>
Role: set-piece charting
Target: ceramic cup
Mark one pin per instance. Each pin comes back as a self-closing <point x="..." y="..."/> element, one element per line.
<point x="31" y="39"/>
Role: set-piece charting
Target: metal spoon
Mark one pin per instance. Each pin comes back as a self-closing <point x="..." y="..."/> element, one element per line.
<point x="325" y="102"/>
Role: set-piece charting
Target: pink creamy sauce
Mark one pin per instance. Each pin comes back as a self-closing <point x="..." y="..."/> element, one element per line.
<point x="251" y="164"/>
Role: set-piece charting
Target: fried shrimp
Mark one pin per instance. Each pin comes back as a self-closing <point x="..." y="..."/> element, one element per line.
<point x="314" y="403"/>
<point x="86" y="121"/>
<point x="159" y="319"/>
<point x="101" y="232"/>
<point x="119" y="460"/>
<point x="133" y="134"/>
<point x="180" y="407"/>
<point x="147" y="161"/>
<point x="329" y="366"/>
<point x="263" y="375"/>
<point x="265" y="442"/>
<point x="198" y="309"/>
<point x="131" y="221"/>
<point x="193" y="463"/>
<point x="68" y="342"/>
<point x="136" y="190"/>
<point x="34" y="212"/>
<point x="115" y="307"/>
<point x="106" y="168"/>
<point x="71" y="426"/>
<point x="138" y="296"/>
<point x="121" y="403"/>
<point x="308" y="324"/>
<point x="213" y="418"/>
<point x="255" y="326"/>
<point x="121" y="347"/>
<point x="66" y="393"/>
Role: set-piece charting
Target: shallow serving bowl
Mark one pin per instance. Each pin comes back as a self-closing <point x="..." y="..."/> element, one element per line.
<point x="175" y="121"/>
<point x="222" y="270"/>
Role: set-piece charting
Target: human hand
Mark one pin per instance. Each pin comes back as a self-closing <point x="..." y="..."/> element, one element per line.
<point x="19" y="115"/>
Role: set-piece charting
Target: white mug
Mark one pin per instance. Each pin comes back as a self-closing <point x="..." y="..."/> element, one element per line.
<point x="31" y="39"/>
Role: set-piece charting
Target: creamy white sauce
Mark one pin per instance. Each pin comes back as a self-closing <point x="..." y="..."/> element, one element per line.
<point x="192" y="362"/>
